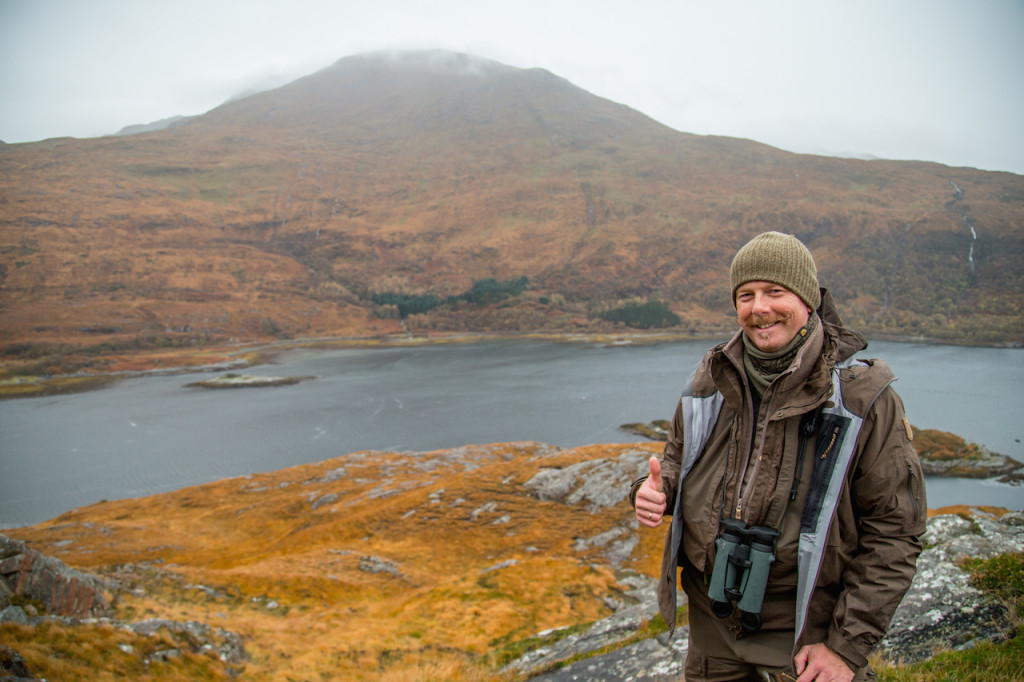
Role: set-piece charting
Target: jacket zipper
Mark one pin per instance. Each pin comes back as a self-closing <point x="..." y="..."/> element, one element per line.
<point x="910" y="490"/>
<point x="741" y="488"/>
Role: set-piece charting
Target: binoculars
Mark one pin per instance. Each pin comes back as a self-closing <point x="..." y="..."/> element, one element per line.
<point x="742" y="560"/>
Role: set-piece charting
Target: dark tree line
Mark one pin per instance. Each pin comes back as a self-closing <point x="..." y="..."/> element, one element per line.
<point x="646" y="315"/>
<point x="484" y="291"/>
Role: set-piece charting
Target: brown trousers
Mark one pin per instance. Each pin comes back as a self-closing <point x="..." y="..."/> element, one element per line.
<point x="716" y="655"/>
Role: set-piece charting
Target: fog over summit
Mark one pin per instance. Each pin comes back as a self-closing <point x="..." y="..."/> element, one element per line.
<point x="904" y="81"/>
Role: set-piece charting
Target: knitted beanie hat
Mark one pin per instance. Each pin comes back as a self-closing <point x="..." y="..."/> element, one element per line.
<point x="779" y="258"/>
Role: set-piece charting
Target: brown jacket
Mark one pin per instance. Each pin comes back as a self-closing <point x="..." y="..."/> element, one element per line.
<point x="746" y="471"/>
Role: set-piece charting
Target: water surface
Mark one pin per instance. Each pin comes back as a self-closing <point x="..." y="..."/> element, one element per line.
<point x="153" y="434"/>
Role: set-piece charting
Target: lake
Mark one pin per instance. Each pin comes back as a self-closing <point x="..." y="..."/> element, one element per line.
<point x="151" y="434"/>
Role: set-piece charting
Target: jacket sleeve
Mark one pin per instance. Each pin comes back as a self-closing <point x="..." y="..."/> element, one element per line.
<point x="887" y="491"/>
<point x="671" y="459"/>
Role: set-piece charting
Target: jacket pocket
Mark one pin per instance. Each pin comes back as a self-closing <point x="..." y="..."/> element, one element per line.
<point x="915" y="495"/>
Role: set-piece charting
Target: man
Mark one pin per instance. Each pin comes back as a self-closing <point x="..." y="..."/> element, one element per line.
<point x="795" y="494"/>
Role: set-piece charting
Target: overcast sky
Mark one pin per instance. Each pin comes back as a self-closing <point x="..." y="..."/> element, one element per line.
<point x="935" y="80"/>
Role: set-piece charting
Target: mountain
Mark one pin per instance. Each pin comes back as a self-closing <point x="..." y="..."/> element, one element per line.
<point x="438" y="191"/>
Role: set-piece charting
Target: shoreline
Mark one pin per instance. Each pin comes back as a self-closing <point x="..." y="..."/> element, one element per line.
<point x="244" y="355"/>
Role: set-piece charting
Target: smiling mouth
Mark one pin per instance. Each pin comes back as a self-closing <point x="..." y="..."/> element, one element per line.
<point x="764" y="323"/>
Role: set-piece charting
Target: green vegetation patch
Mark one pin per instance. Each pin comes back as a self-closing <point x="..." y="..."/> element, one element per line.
<point x="646" y="315"/>
<point x="508" y="649"/>
<point x="483" y="292"/>
<point x="985" y="662"/>
<point x="158" y="170"/>
<point x="492" y="291"/>
<point x="1001" y="576"/>
<point x="408" y="304"/>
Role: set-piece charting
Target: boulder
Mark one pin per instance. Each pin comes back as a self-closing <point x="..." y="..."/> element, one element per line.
<point x="201" y="638"/>
<point x="595" y="483"/>
<point x="62" y="590"/>
<point x="12" y="665"/>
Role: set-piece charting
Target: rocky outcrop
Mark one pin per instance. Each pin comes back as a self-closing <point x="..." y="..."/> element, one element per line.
<point x="246" y="381"/>
<point x="596" y="484"/>
<point x="985" y="465"/>
<point x="655" y="430"/>
<point x="941" y="611"/>
<point x="12" y="666"/>
<point x="197" y="637"/>
<point x="593" y="483"/>
<point x="947" y="454"/>
<point x="71" y="597"/>
<point x="649" y="660"/>
<point x="646" y="661"/>
<point x="27" y="575"/>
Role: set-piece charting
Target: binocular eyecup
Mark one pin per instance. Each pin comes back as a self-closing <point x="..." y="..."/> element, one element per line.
<point x="744" y="555"/>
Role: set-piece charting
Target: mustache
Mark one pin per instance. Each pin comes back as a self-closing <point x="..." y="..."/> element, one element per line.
<point x="758" y="319"/>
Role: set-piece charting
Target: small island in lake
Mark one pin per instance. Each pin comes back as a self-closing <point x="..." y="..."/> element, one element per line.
<point x="246" y="381"/>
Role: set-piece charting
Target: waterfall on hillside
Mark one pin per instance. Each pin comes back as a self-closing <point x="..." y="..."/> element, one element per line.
<point x="974" y="238"/>
<point x="958" y="194"/>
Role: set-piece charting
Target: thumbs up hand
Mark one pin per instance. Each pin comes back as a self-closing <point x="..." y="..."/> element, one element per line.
<point x="650" y="500"/>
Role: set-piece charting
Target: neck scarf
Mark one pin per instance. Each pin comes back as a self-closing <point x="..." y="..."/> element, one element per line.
<point x="763" y="368"/>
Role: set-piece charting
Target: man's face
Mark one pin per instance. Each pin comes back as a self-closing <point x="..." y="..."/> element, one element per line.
<point x="770" y="314"/>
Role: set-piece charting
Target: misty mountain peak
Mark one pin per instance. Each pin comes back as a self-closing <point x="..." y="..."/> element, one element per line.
<point x="415" y="95"/>
<point x="441" y="62"/>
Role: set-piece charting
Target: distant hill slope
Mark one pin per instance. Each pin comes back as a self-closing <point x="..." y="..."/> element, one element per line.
<point x="309" y="210"/>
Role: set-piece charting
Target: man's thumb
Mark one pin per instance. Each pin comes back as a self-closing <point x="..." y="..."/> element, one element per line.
<point x="655" y="477"/>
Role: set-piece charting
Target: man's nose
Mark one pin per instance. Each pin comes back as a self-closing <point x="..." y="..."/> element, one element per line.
<point x="760" y="303"/>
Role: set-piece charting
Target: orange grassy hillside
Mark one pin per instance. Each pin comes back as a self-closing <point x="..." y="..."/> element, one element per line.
<point x="290" y="213"/>
<point x="372" y="565"/>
